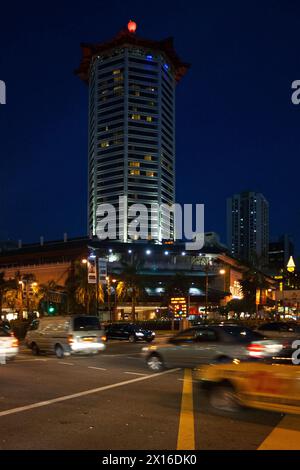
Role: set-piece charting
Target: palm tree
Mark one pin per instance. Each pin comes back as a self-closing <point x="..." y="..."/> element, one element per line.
<point x="177" y="286"/>
<point x="131" y="285"/>
<point x="253" y="281"/>
<point x="80" y="293"/>
<point x="5" y="286"/>
<point x="208" y="265"/>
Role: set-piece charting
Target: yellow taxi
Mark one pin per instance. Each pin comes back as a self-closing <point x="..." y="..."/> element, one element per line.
<point x="274" y="387"/>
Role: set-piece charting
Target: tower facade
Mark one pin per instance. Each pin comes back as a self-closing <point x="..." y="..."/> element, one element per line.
<point x="131" y="150"/>
<point x="248" y="227"/>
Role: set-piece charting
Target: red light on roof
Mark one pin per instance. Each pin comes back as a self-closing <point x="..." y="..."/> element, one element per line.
<point x="132" y="26"/>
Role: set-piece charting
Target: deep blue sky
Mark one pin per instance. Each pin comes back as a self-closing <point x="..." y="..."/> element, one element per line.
<point x="236" y="126"/>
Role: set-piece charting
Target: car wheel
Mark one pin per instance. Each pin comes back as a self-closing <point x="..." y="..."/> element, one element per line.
<point x="155" y="363"/>
<point x="59" y="352"/>
<point x="35" y="350"/>
<point x="149" y="340"/>
<point x="131" y="339"/>
<point x="223" y="397"/>
<point x="223" y="360"/>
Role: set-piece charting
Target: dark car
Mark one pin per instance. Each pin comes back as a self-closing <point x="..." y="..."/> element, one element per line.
<point x="129" y="332"/>
<point x="276" y="329"/>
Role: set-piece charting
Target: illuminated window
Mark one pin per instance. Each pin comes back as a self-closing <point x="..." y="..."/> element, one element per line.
<point x="148" y="157"/>
<point x="118" y="138"/>
<point x="136" y="117"/>
<point x="150" y="173"/>
<point x="136" y="164"/>
<point x="104" y="143"/>
<point x="118" y="90"/>
<point x="137" y="93"/>
<point x="118" y="76"/>
<point x="149" y="118"/>
<point x="134" y="172"/>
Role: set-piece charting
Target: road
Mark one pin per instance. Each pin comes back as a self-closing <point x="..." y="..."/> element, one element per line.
<point x="112" y="401"/>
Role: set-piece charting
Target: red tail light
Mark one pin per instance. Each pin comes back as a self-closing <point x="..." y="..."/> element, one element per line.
<point x="255" y="349"/>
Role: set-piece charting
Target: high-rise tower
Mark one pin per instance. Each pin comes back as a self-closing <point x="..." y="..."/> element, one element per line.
<point x="131" y="124"/>
<point x="248" y="227"/>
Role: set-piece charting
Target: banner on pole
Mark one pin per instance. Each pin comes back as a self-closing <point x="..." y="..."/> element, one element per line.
<point x="102" y="270"/>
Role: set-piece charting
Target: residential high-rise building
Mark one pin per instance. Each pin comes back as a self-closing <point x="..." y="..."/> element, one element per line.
<point x="131" y="151"/>
<point x="280" y="252"/>
<point x="248" y="227"/>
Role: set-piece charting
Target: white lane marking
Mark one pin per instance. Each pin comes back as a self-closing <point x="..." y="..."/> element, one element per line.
<point x="135" y="373"/>
<point x="66" y="363"/>
<point x="40" y="404"/>
<point x="97" y="368"/>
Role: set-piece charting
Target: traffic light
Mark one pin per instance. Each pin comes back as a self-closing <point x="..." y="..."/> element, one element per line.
<point x="51" y="309"/>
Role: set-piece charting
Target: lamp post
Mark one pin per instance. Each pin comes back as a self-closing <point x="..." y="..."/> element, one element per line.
<point x="115" y="304"/>
<point x="84" y="261"/>
<point x="108" y="296"/>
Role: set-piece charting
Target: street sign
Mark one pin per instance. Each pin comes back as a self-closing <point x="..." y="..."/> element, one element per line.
<point x="102" y="270"/>
<point x="179" y="307"/>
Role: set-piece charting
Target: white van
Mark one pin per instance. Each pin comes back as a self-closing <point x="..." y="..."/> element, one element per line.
<point x="65" y="335"/>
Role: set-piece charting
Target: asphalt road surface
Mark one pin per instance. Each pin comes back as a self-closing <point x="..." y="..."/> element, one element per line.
<point x="112" y="401"/>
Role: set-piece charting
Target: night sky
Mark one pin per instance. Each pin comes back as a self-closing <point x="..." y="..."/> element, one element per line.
<point x="236" y="128"/>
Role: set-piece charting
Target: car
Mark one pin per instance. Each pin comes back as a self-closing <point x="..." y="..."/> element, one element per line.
<point x="130" y="332"/>
<point x="9" y="345"/>
<point x="256" y="384"/>
<point x="65" y="335"/>
<point x="279" y="329"/>
<point x="209" y="343"/>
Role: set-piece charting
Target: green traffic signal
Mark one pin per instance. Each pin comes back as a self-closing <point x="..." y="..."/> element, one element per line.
<point x="51" y="309"/>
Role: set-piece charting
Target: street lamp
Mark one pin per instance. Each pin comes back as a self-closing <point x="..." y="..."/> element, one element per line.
<point x="223" y="272"/>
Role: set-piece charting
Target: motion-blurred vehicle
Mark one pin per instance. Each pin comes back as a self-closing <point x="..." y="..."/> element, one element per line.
<point x="129" y="332"/>
<point x="210" y="343"/>
<point x="273" y="387"/>
<point x="9" y="345"/>
<point x="65" y="335"/>
<point x="279" y="329"/>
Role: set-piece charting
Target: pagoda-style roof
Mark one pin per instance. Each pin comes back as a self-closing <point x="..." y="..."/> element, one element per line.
<point x="125" y="38"/>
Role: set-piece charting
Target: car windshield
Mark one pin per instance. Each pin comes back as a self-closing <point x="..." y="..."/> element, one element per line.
<point x="86" y="323"/>
<point x="4" y="332"/>
<point x="242" y="334"/>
